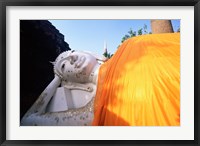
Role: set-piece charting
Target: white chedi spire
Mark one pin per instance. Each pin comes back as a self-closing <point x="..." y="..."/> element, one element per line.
<point x="105" y="53"/>
<point x="105" y="47"/>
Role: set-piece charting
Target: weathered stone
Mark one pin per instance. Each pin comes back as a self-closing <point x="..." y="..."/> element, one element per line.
<point x="40" y="43"/>
<point x="161" y="26"/>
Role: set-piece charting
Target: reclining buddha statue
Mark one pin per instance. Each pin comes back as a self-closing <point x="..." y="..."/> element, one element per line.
<point x="138" y="86"/>
<point x="68" y="99"/>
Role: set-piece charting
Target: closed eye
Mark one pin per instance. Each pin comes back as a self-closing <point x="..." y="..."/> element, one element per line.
<point x="63" y="66"/>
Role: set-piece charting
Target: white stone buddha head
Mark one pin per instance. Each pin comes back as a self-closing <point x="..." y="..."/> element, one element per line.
<point x="76" y="66"/>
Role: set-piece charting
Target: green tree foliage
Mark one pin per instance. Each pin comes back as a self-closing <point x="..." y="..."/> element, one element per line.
<point x="107" y="55"/>
<point x="132" y="33"/>
<point x="125" y="38"/>
<point x="140" y="31"/>
<point x="145" y="29"/>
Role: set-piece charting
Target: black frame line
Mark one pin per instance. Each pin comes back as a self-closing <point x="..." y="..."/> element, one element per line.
<point x="5" y="3"/>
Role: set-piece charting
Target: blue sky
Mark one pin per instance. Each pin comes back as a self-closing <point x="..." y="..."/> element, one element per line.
<point x="90" y="35"/>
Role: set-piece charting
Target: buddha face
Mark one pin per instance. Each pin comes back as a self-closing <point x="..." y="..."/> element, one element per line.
<point x="75" y="66"/>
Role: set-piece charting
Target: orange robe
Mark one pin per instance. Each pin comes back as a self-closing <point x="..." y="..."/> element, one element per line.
<point x="140" y="84"/>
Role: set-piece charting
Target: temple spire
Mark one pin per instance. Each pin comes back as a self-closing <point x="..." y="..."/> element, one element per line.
<point x="105" y="48"/>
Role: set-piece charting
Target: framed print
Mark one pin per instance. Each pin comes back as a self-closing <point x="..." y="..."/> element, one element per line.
<point x="99" y="72"/>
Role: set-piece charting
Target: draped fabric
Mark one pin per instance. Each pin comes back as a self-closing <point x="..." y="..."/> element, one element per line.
<point x="140" y="84"/>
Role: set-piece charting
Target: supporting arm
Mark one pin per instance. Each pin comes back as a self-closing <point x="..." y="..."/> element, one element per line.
<point x="40" y="105"/>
